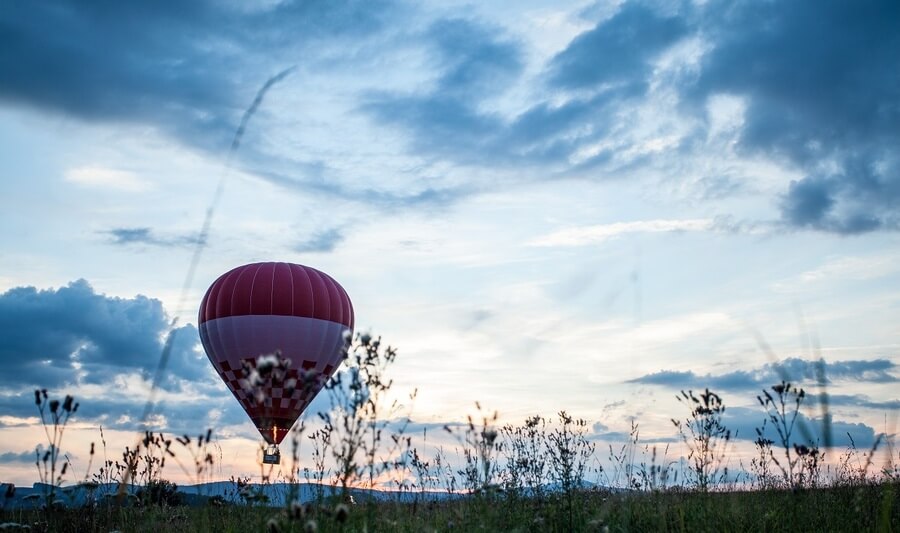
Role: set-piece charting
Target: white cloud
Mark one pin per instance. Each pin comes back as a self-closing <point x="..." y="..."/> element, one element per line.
<point x="842" y="269"/>
<point x="579" y="236"/>
<point x="107" y="178"/>
<point x="853" y="268"/>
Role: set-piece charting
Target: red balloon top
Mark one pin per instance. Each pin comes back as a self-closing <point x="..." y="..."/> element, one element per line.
<point x="277" y="289"/>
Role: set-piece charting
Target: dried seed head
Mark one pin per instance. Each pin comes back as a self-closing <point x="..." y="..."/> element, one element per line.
<point x="266" y="363"/>
<point x="54" y="405"/>
<point x="272" y="526"/>
<point x="311" y="526"/>
<point x="297" y="511"/>
<point x="341" y="512"/>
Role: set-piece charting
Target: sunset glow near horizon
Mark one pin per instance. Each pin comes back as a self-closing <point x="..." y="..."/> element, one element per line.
<point x="545" y="206"/>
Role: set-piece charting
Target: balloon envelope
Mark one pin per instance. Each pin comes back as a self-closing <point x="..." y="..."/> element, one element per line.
<point x="263" y="308"/>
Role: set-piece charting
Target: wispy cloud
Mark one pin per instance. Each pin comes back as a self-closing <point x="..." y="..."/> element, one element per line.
<point x="106" y="178"/>
<point x="321" y="241"/>
<point x="857" y="268"/>
<point x="583" y="235"/>
<point x="792" y="369"/>
<point x="129" y="236"/>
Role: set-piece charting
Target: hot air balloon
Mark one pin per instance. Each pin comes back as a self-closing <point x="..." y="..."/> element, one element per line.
<point x="275" y="332"/>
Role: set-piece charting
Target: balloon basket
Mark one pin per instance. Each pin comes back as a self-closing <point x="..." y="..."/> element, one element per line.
<point x="272" y="455"/>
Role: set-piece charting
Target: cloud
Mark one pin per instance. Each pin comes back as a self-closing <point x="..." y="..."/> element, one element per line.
<point x="54" y="337"/>
<point x="166" y="64"/>
<point x="317" y="181"/>
<point x="591" y="234"/>
<point x="106" y="178"/>
<point x="743" y="422"/>
<point x="131" y="236"/>
<point x="819" y="79"/>
<point x="617" y="51"/>
<point x="792" y="369"/>
<point x="13" y="457"/>
<point x="856" y="400"/>
<point x="321" y="241"/>
<point x="474" y="61"/>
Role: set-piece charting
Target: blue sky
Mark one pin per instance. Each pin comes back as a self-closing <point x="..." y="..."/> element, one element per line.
<point x="545" y="205"/>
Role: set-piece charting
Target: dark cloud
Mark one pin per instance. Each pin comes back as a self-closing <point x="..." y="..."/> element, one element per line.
<point x="13" y="457"/>
<point x="855" y="201"/>
<point x="819" y="79"/>
<point x="474" y="62"/>
<point x="449" y="120"/>
<point x="822" y="87"/>
<point x="743" y="423"/>
<point x="321" y="241"/>
<point x="795" y="370"/>
<point x="617" y="51"/>
<point x="130" y="236"/>
<point x="855" y="400"/>
<point x="217" y="410"/>
<point x="70" y="335"/>
<point x="186" y="68"/>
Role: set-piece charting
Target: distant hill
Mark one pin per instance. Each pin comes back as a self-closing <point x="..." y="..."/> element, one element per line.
<point x="272" y="494"/>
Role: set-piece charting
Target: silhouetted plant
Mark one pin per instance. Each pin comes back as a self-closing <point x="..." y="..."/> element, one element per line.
<point x="526" y="458"/>
<point x="200" y="454"/>
<point x="622" y="461"/>
<point x="159" y="492"/>
<point x="353" y="430"/>
<point x="853" y="466"/>
<point x="782" y="410"/>
<point x="479" y="446"/>
<point x="761" y="465"/>
<point x="706" y="437"/>
<point x="656" y="475"/>
<point x="54" y="418"/>
<point x="810" y="460"/>
<point x="569" y="452"/>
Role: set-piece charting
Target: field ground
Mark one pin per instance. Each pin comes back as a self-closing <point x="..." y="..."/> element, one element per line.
<point x="850" y="508"/>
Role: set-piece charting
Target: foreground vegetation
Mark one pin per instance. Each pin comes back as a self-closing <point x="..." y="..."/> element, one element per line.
<point x="542" y="475"/>
<point x="847" y="508"/>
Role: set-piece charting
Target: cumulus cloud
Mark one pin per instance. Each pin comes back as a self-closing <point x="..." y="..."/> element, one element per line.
<point x="72" y="334"/>
<point x="27" y="456"/>
<point x="809" y="431"/>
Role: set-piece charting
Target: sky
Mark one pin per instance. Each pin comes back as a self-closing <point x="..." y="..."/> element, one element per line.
<point x="544" y="205"/>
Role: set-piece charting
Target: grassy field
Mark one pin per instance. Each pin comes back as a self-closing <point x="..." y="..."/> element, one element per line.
<point x="862" y="508"/>
<point x="528" y="477"/>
